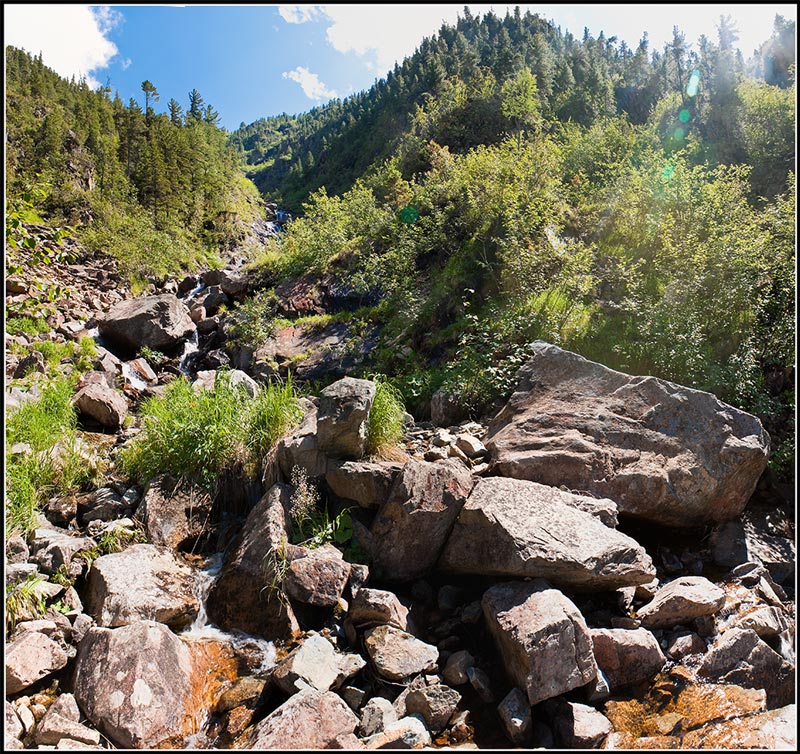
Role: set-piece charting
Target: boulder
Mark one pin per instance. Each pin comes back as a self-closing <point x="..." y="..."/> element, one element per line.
<point x="510" y="527"/>
<point x="666" y="454"/>
<point x="579" y="726"/>
<point x="397" y="655"/>
<point x="372" y="607"/>
<point x="316" y="576"/>
<point x="626" y="656"/>
<point x="159" y="322"/>
<point x="757" y="537"/>
<point x="366" y="483"/>
<point x="308" y="720"/>
<point x="343" y="417"/>
<point x="313" y="664"/>
<point x="103" y="404"/>
<point x="542" y="638"/>
<point x="53" y="727"/>
<point x="30" y="658"/>
<point x="175" y="516"/>
<point x="143" y="582"/>
<point x="15" y="730"/>
<point x="775" y="730"/>
<point x="300" y="448"/>
<point x="207" y="379"/>
<point x="457" y="666"/>
<point x="412" y="526"/>
<point x="681" y="601"/>
<point x="145" y="688"/>
<point x="446" y="409"/>
<point x="740" y="657"/>
<point x="248" y="595"/>
<point x="53" y="548"/>
<point x="435" y="704"/>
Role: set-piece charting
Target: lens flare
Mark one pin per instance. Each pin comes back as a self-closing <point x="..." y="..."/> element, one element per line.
<point x="679" y="134"/>
<point x="409" y="214"/>
<point x="694" y="83"/>
<point x="667" y="172"/>
<point x="684" y="116"/>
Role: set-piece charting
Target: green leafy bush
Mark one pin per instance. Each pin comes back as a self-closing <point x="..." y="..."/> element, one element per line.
<point x="199" y="434"/>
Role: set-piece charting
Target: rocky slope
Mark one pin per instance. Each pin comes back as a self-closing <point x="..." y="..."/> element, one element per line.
<point x="600" y="566"/>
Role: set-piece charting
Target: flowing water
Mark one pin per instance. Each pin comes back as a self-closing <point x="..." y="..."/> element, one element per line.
<point x="189" y="347"/>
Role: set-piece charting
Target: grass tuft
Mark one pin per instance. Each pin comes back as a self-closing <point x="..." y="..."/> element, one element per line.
<point x="385" y="429"/>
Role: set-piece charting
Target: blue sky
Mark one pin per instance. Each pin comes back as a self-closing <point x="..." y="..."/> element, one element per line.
<point x="253" y="61"/>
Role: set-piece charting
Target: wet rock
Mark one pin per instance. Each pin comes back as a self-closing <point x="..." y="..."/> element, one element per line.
<point x="314" y="663"/>
<point x="308" y="720"/>
<point x="376" y="607"/>
<point x="627" y="656"/>
<point x="245" y="691"/>
<point x="412" y="526"/>
<point x="510" y="527"/>
<point x="175" y="516"/>
<point x="681" y="601"/>
<point x="316" y="577"/>
<point x="578" y="726"/>
<point x="515" y="716"/>
<point x="103" y="404"/>
<point x="436" y="704"/>
<point x="30" y="658"/>
<point x="376" y="715"/>
<point x="367" y="483"/>
<point x="397" y="655"/>
<point x="141" y="582"/>
<point x="775" y="730"/>
<point x="342" y="419"/>
<point x="407" y="733"/>
<point x="766" y="621"/>
<point x="541" y="636"/>
<point x="143" y="687"/>
<point x="143" y="370"/>
<point x="245" y="595"/>
<point x="740" y="657"/>
<point x="159" y="322"/>
<point x="214" y="298"/>
<point x="665" y="453"/>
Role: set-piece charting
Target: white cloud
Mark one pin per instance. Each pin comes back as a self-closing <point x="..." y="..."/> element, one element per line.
<point x="71" y="38"/>
<point x="312" y="87"/>
<point x="299" y="14"/>
<point x="126" y="63"/>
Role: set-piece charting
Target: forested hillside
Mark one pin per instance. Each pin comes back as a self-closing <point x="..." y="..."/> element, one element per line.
<point x="509" y="182"/>
<point x="157" y="191"/>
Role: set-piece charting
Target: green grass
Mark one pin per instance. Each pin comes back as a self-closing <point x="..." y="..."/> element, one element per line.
<point x="385" y="428"/>
<point x="24" y="599"/>
<point x="32" y="478"/>
<point x="198" y="435"/>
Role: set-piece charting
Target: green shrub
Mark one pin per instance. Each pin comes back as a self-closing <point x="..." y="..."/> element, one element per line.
<point x="26" y="326"/>
<point x="385" y="428"/>
<point x="199" y="434"/>
<point x="23" y="600"/>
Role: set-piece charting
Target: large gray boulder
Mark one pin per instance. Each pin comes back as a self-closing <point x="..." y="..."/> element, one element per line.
<point x="510" y="527"/>
<point x="138" y="684"/>
<point x="248" y="595"/>
<point x="143" y="582"/>
<point x="160" y="322"/>
<point x="397" y="655"/>
<point x="316" y="576"/>
<point x="543" y="641"/>
<point x="343" y="417"/>
<point x="412" y="526"/>
<point x="665" y="453"/>
<point x="308" y="720"/>
<point x="367" y="483"/>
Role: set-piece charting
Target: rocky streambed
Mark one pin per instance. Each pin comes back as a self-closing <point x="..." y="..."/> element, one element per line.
<point x="604" y="565"/>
